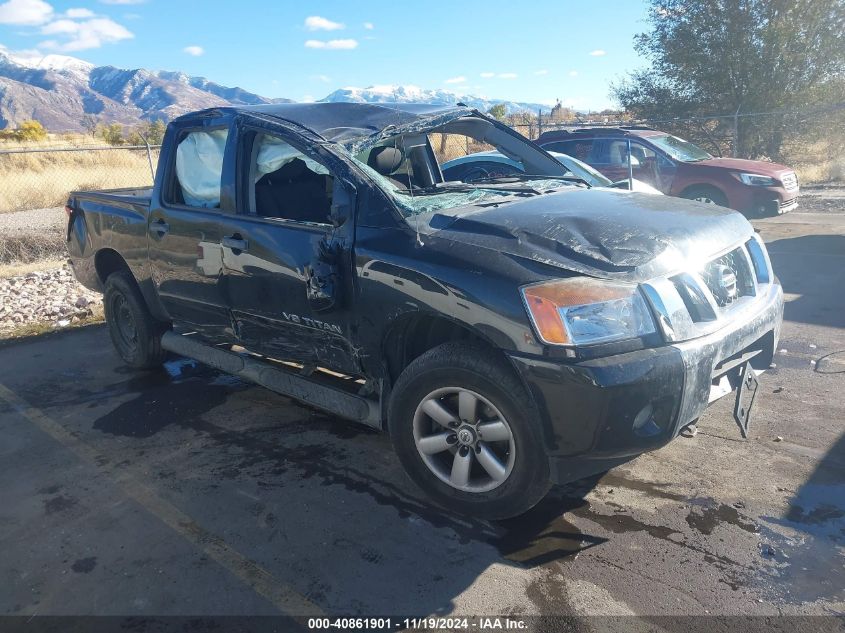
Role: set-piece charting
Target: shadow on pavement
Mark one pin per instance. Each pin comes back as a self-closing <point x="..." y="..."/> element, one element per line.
<point x="821" y="300"/>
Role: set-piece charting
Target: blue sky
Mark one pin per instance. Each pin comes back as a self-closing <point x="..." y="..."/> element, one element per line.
<point x="536" y="51"/>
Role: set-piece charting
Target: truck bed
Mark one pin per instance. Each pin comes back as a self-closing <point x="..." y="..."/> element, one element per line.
<point x="114" y="219"/>
<point x="132" y="195"/>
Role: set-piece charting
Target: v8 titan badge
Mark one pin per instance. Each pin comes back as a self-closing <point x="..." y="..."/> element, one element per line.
<point x="745" y="399"/>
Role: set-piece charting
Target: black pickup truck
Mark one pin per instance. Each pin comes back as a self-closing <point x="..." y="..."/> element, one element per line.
<point x="507" y="332"/>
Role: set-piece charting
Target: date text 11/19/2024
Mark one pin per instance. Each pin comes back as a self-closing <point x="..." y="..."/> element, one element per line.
<point x="435" y="624"/>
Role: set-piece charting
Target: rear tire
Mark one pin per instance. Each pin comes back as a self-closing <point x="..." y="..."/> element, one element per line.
<point x="135" y="334"/>
<point x="481" y="454"/>
<point x="707" y="195"/>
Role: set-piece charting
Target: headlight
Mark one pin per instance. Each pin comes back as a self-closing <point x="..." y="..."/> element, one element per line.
<point x="758" y="180"/>
<point x="583" y="311"/>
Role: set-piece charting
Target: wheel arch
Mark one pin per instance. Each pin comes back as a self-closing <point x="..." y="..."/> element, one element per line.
<point x="703" y="186"/>
<point x="413" y="334"/>
<point x="108" y="261"/>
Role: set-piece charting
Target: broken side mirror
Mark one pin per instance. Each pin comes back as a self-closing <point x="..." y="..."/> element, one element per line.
<point x="324" y="285"/>
<point x="322" y="277"/>
<point x="343" y="203"/>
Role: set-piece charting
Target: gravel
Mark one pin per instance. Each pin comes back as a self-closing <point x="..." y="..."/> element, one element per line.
<point x="35" y="221"/>
<point x="827" y="198"/>
<point x="31" y="236"/>
<point x="50" y="297"/>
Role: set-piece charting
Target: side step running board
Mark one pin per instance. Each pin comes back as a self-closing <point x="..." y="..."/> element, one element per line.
<point x="324" y="397"/>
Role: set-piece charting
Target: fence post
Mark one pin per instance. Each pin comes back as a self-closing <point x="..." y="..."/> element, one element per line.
<point x="539" y="123"/>
<point x="149" y="158"/>
<point x="735" y="147"/>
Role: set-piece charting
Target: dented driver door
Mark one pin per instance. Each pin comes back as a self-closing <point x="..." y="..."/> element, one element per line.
<point x="286" y="260"/>
<point x="267" y="269"/>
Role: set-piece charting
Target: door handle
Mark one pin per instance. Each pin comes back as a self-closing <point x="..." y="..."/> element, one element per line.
<point x="159" y="227"/>
<point x="235" y="242"/>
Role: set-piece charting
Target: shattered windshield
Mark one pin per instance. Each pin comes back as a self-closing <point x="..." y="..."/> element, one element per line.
<point x="679" y="149"/>
<point x="406" y="164"/>
<point x="417" y="202"/>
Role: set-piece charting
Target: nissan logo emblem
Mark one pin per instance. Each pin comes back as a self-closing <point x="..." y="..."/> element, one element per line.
<point x="725" y="279"/>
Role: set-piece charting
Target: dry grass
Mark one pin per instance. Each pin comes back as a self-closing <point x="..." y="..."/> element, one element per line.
<point x="32" y="247"/>
<point x="821" y="161"/>
<point x="17" y="269"/>
<point x="449" y="146"/>
<point x="41" y="180"/>
<point x="69" y="139"/>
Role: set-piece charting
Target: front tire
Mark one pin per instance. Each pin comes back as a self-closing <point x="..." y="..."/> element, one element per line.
<point x="707" y="195"/>
<point x="135" y="334"/>
<point x="467" y="432"/>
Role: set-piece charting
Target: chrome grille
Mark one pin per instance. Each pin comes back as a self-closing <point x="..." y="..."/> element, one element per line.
<point x="699" y="301"/>
<point x="790" y="181"/>
<point x="728" y="277"/>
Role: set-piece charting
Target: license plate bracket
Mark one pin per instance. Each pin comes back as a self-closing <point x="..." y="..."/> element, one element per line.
<point x="745" y="398"/>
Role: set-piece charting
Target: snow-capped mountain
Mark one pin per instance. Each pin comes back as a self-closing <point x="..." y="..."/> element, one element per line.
<point x="415" y="94"/>
<point x="62" y="91"/>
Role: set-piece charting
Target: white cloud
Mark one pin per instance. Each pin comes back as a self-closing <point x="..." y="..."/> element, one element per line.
<point x="369" y="26"/>
<point x="85" y="34"/>
<point x="541" y="72"/>
<point x="489" y="75"/>
<point x="308" y="99"/>
<point x="60" y="26"/>
<point x="573" y="73"/>
<point x="196" y="51"/>
<point x="317" y="23"/>
<point x="332" y="44"/>
<point x="324" y="78"/>
<point x="456" y="80"/>
<point x="25" y="12"/>
<point x="79" y="13"/>
<point x="598" y="52"/>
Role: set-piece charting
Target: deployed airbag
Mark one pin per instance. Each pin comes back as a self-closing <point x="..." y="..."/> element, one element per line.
<point x="273" y="153"/>
<point x="199" y="166"/>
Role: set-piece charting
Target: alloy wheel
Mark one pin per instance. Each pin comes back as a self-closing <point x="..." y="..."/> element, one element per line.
<point x="464" y="439"/>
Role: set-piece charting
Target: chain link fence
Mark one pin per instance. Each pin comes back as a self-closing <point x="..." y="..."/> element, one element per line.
<point x="40" y="178"/>
<point x="449" y="146"/>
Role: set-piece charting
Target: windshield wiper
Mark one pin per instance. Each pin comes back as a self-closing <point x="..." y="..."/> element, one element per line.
<point x="523" y="177"/>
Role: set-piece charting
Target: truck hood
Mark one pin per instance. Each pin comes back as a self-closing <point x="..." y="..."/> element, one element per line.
<point x="601" y="233"/>
<point x="747" y="166"/>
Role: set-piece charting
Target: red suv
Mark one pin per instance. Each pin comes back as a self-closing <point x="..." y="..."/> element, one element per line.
<point x="678" y="168"/>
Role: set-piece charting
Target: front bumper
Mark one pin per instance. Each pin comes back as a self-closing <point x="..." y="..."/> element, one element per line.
<point x="599" y="413"/>
<point x="757" y="201"/>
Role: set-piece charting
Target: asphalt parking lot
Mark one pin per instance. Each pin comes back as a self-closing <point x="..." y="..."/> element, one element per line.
<point x="188" y="492"/>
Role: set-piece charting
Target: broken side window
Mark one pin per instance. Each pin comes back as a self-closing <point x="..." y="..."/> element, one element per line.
<point x="287" y="183"/>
